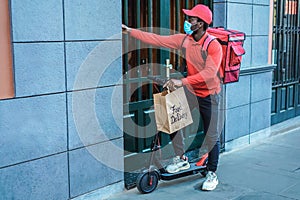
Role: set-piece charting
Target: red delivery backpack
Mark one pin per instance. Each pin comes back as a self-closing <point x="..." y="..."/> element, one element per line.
<point x="232" y="45"/>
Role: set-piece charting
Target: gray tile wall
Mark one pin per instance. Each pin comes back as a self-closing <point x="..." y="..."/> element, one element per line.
<point x="39" y="68"/>
<point x="43" y="178"/>
<point x="89" y="170"/>
<point x="34" y="20"/>
<point x="248" y="101"/>
<point x="31" y="128"/>
<point x="248" y="105"/>
<point x="68" y="108"/>
<point x="102" y="20"/>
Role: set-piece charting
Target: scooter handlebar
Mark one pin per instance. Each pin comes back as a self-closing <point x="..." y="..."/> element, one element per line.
<point x="158" y="80"/>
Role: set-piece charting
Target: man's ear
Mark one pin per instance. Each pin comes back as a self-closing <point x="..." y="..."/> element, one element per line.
<point x="201" y="24"/>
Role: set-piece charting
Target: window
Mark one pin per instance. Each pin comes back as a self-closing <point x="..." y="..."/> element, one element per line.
<point x="6" y="70"/>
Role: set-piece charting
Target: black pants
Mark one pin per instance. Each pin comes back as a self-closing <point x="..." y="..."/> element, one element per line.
<point x="212" y="116"/>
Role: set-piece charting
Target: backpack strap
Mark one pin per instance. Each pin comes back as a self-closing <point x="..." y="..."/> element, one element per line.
<point x="183" y="68"/>
<point x="183" y="41"/>
<point x="204" y="49"/>
<point x="181" y="46"/>
<point x="206" y="43"/>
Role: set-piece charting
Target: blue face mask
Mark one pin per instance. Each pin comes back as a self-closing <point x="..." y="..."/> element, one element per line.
<point x="187" y="28"/>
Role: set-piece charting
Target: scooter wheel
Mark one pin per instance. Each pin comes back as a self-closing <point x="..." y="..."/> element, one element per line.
<point x="147" y="182"/>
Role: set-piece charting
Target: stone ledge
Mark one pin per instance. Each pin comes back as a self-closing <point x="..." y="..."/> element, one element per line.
<point x="257" y="69"/>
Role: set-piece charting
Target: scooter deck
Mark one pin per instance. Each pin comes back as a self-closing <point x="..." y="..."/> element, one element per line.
<point x="192" y="170"/>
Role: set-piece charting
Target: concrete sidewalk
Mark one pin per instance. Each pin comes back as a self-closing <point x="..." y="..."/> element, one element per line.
<point x="268" y="169"/>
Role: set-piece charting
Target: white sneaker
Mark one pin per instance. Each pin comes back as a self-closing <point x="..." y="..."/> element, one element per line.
<point x="211" y="181"/>
<point x="178" y="164"/>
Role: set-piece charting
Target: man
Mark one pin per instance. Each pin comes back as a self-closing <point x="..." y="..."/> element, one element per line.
<point x="202" y="84"/>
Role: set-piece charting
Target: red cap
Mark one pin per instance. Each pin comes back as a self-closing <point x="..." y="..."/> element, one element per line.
<point x="201" y="11"/>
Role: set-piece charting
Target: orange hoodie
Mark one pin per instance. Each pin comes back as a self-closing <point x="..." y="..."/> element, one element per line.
<point x="202" y="78"/>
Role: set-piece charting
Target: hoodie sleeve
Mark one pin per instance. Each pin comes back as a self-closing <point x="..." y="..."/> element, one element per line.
<point x="171" y="41"/>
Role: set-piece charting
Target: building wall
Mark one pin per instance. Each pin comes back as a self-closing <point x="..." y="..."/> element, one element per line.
<point x="62" y="84"/>
<point x="248" y="102"/>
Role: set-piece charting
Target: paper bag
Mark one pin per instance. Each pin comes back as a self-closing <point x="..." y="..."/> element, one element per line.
<point x="172" y="111"/>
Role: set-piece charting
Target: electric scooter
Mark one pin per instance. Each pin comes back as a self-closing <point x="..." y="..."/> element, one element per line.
<point x="148" y="179"/>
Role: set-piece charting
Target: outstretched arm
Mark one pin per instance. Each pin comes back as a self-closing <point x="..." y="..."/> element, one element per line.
<point x="171" y="41"/>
